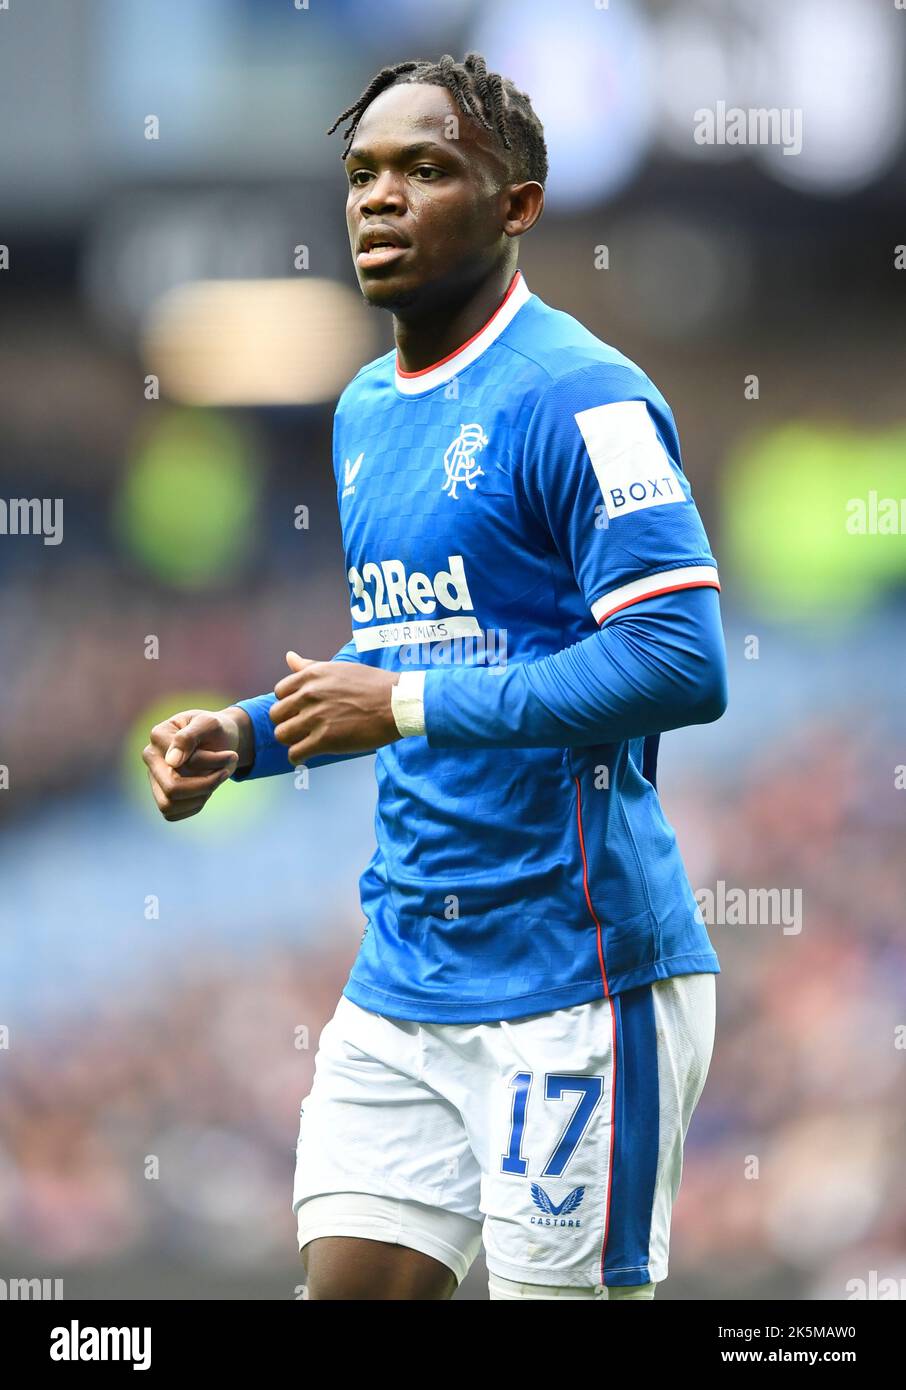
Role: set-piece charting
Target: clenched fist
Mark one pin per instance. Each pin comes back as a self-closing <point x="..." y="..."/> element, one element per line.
<point x="192" y="753"/>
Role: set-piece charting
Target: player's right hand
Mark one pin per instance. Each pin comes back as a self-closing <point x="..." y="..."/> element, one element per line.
<point x="188" y="757"/>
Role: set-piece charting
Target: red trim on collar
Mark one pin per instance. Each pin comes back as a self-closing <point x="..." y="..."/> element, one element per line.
<point x="462" y="347"/>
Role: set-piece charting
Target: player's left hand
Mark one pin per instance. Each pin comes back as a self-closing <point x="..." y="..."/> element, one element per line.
<point x="333" y="707"/>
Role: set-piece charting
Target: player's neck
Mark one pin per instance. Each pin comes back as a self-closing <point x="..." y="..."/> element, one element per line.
<point x="425" y="339"/>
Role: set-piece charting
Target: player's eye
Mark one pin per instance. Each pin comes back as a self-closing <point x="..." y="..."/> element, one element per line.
<point x="428" y="172"/>
<point x="358" y="177"/>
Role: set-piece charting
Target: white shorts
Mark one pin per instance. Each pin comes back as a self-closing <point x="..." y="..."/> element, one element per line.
<point x="556" y="1138"/>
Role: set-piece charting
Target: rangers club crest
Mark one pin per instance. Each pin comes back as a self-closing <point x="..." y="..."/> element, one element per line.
<point x="459" y="458"/>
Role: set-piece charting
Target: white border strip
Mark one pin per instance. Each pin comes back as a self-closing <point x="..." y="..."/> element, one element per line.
<point x="691" y="577"/>
<point x="465" y="356"/>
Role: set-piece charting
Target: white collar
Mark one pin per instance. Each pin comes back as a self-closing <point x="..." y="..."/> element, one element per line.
<point x="417" y="383"/>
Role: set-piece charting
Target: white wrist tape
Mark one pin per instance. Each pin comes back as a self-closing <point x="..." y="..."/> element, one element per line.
<point x="407" y="701"/>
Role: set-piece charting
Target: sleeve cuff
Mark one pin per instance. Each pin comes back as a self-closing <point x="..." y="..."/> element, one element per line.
<point x="270" y="756"/>
<point x="407" y="701"/>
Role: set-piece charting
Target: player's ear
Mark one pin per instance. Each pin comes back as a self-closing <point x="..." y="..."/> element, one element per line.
<point x="525" y="204"/>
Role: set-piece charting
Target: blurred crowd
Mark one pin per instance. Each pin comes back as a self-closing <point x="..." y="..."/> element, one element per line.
<point x="80" y="641"/>
<point x="165" y="1122"/>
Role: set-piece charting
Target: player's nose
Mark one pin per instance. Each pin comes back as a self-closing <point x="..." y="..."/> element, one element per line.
<point x="385" y="194"/>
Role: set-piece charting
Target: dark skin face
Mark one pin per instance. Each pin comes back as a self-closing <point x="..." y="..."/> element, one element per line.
<point x="439" y="181"/>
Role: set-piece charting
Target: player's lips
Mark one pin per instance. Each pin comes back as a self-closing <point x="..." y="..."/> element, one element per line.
<point x="379" y="245"/>
<point x="381" y="255"/>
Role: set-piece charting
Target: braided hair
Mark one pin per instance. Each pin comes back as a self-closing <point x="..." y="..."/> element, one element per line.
<point x="486" y="97"/>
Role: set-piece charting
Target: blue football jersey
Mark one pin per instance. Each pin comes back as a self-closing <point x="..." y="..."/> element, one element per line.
<point x="496" y="508"/>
